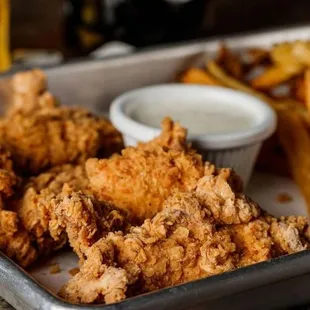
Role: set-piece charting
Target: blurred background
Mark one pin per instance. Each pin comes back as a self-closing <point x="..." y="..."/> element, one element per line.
<point x="45" y="32"/>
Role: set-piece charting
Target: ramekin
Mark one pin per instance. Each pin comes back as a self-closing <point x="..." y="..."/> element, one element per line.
<point x="238" y="149"/>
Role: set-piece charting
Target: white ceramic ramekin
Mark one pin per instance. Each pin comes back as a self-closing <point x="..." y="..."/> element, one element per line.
<point x="237" y="149"/>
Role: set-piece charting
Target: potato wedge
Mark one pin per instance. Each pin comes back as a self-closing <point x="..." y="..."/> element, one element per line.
<point x="301" y="51"/>
<point x="231" y="82"/>
<point x="258" y="56"/>
<point x="294" y="138"/>
<point x="274" y="76"/>
<point x="198" y="76"/>
<point x="230" y="62"/>
<point x="298" y="90"/>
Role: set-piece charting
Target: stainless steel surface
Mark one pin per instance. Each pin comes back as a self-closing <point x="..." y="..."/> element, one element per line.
<point x="278" y="283"/>
<point x="282" y="282"/>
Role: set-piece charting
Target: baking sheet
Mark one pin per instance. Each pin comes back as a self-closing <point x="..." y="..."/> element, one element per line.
<point x="94" y="85"/>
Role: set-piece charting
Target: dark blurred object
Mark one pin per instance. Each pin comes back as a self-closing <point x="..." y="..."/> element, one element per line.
<point x="227" y="16"/>
<point x="150" y="22"/>
<point x="73" y="27"/>
<point x="85" y="25"/>
<point x="37" y="24"/>
<point x="142" y="23"/>
<point x="77" y="27"/>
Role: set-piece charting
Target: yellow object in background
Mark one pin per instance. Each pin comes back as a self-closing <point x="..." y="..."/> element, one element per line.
<point x="5" y="59"/>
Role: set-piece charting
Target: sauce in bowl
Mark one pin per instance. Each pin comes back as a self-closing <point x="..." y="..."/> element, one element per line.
<point x="200" y="117"/>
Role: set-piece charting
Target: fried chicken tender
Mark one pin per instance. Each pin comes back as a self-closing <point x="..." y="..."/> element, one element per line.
<point x="84" y="219"/>
<point x="219" y="190"/>
<point x="179" y="244"/>
<point x="41" y="135"/>
<point x="14" y="240"/>
<point x="34" y="206"/>
<point x="29" y="93"/>
<point x="189" y="239"/>
<point x="47" y="201"/>
<point x="173" y="136"/>
<point x="8" y="178"/>
<point x="142" y="177"/>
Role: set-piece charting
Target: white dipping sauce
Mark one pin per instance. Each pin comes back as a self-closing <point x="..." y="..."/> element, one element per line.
<point x="199" y="117"/>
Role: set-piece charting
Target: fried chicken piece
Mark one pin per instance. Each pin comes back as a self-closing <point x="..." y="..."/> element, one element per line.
<point x="142" y="177"/>
<point x="253" y="241"/>
<point x="84" y="219"/>
<point x="15" y="242"/>
<point x="268" y="237"/>
<point x="29" y="93"/>
<point x="61" y="193"/>
<point x="284" y="232"/>
<point x="34" y="205"/>
<point x="57" y="136"/>
<point x="98" y="280"/>
<point x="8" y="178"/>
<point x="41" y="135"/>
<point x="179" y="244"/>
<point x="219" y="190"/>
<point x="173" y="136"/>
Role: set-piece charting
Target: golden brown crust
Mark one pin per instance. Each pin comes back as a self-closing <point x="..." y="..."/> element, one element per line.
<point x="141" y="178"/>
<point x="34" y="206"/>
<point x="41" y="135"/>
<point x="56" y="136"/>
<point x="181" y="243"/>
<point x="84" y="219"/>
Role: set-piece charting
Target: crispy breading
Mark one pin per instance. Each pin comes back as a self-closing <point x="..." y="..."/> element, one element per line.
<point x="142" y="177"/>
<point x="181" y="243"/>
<point x="56" y="136"/>
<point x="253" y="241"/>
<point x="41" y="135"/>
<point x="226" y="205"/>
<point x="29" y="93"/>
<point x="50" y="198"/>
<point x="84" y="219"/>
<point x="15" y="242"/>
<point x="8" y="178"/>
<point x="34" y="204"/>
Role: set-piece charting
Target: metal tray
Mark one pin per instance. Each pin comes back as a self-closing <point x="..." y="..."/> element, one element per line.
<point x="278" y="283"/>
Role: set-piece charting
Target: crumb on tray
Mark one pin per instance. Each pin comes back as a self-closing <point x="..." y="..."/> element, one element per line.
<point x="74" y="271"/>
<point x="284" y="198"/>
<point x="55" y="269"/>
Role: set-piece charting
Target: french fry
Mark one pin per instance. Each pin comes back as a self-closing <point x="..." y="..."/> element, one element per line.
<point x="258" y="56"/>
<point x="198" y="76"/>
<point x="277" y="105"/>
<point x="230" y="62"/>
<point x="299" y="89"/>
<point x="307" y="90"/>
<point x="274" y="76"/>
<point x="282" y="55"/>
<point x="294" y="138"/>
<point x="301" y="51"/>
<point x="231" y="82"/>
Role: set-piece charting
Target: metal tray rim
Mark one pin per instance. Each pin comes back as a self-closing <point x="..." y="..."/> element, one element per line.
<point x="253" y="276"/>
<point x="158" y="50"/>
